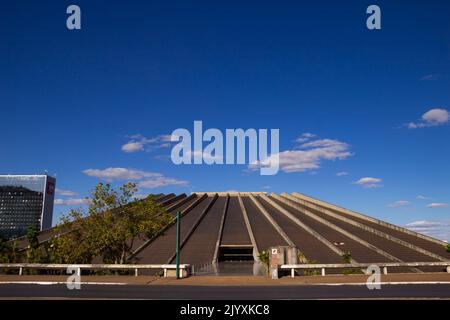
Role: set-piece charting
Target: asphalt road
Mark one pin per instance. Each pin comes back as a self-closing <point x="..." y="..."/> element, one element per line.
<point x="224" y="292"/>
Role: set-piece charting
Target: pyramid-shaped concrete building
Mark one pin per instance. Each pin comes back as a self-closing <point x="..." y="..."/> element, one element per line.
<point x="237" y="226"/>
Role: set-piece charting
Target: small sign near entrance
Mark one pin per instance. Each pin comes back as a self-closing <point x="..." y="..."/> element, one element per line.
<point x="274" y="263"/>
<point x="281" y="255"/>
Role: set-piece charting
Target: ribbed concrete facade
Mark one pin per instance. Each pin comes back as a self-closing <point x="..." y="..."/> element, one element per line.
<point x="219" y="227"/>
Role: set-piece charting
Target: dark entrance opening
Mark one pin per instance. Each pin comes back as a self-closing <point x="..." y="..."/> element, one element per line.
<point x="231" y="253"/>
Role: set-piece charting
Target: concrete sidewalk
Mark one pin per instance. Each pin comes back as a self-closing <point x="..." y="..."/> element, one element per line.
<point x="232" y="280"/>
<point x="303" y="280"/>
<point x="130" y="280"/>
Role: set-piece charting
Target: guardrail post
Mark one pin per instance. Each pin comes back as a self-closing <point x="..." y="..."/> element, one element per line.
<point x="292" y="272"/>
<point x="323" y="271"/>
<point x="21" y="271"/>
<point x="79" y="271"/>
<point x="448" y="269"/>
<point x="136" y="272"/>
<point x="385" y="271"/>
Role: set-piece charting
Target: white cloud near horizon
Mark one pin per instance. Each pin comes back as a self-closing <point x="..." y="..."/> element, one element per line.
<point x="342" y="174"/>
<point x="160" y="182"/>
<point x="436" y="229"/>
<point x="140" y="143"/>
<point x="143" y="179"/>
<point x="422" y="197"/>
<point x="68" y="193"/>
<point x="71" y="202"/>
<point x="432" y="118"/>
<point x="369" y="182"/>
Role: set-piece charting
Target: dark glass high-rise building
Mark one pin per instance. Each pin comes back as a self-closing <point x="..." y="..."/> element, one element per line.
<point x="25" y="200"/>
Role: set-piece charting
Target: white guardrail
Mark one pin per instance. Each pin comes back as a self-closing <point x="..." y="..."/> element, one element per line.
<point x="169" y="269"/>
<point x="383" y="266"/>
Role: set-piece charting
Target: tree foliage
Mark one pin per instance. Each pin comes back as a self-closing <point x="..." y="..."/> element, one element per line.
<point x="34" y="254"/>
<point x="303" y="260"/>
<point x="8" y="252"/>
<point x="115" y="219"/>
<point x="264" y="257"/>
<point x="347" y="257"/>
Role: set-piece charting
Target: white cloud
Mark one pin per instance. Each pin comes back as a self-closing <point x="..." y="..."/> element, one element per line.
<point x="144" y="179"/>
<point x="369" y="182"/>
<point x="140" y="143"/>
<point x="65" y="192"/>
<point x="305" y="137"/>
<point x="308" y="156"/>
<point x="437" y="116"/>
<point x="436" y="229"/>
<point x="421" y="197"/>
<point x="71" y="202"/>
<point x="342" y="173"/>
<point x="133" y="146"/>
<point x="432" y="118"/>
<point x="398" y="204"/>
<point x="435" y="205"/>
<point x="430" y="77"/>
<point x="160" y="182"/>
<point x="111" y="174"/>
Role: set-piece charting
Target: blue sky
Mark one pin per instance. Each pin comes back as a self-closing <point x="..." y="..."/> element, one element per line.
<point x="72" y="99"/>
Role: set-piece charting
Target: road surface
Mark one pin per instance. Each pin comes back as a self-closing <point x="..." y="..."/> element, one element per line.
<point x="224" y="292"/>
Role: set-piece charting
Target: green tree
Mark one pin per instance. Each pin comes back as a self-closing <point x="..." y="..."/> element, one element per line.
<point x="5" y="249"/>
<point x="448" y="247"/>
<point x="264" y="257"/>
<point x="8" y="251"/>
<point x="33" y="252"/>
<point x="115" y="220"/>
<point x="347" y="257"/>
<point x="71" y="244"/>
<point x="303" y="260"/>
